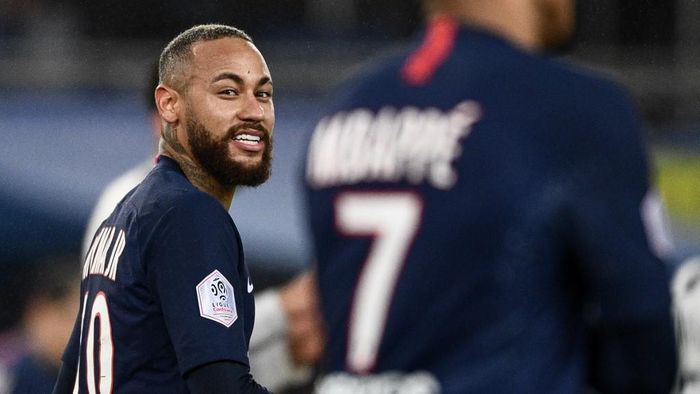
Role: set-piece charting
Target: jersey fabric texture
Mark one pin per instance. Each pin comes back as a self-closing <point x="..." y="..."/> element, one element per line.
<point x="146" y="317"/>
<point x="268" y="345"/>
<point x="526" y="233"/>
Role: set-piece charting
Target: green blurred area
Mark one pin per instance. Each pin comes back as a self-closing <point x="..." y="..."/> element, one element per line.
<point x="677" y="175"/>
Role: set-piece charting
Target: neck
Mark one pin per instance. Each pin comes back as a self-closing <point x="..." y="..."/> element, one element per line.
<point x="514" y="20"/>
<point x="199" y="178"/>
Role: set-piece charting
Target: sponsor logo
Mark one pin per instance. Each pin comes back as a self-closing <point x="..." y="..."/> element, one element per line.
<point x="216" y="299"/>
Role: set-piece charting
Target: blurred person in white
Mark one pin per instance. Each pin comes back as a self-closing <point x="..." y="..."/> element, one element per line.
<point x="51" y="290"/>
<point x="686" y="305"/>
<point x="287" y="339"/>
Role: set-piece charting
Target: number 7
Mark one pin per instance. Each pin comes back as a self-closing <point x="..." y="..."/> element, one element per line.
<point x="392" y="219"/>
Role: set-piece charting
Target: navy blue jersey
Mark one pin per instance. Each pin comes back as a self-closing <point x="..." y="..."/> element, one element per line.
<point x="477" y="214"/>
<point x="165" y="290"/>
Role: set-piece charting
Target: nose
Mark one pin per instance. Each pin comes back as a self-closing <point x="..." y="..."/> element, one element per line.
<point x="251" y="109"/>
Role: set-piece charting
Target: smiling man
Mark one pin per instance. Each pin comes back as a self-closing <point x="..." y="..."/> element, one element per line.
<point x="167" y="303"/>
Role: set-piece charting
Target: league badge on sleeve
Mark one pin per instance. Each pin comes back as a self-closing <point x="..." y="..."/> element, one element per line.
<point x="216" y="299"/>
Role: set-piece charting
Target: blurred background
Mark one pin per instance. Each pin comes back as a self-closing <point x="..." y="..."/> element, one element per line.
<point x="73" y="114"/>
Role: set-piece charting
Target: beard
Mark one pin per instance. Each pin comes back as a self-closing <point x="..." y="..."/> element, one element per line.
<point x="213" y="155"/>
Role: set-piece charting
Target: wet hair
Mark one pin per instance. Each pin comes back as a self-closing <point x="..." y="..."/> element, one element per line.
<point x="178" y="52"/>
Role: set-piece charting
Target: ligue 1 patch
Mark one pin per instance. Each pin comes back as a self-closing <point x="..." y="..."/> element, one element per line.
<point x="216" y="299"/>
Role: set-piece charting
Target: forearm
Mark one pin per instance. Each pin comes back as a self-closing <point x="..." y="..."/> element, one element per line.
<point x="270" y="360"/>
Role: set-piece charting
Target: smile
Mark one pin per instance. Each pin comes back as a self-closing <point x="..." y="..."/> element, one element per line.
<point x="247" y="139"/>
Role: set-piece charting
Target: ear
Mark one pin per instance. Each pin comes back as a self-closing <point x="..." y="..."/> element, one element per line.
<point x="167" y="102"/>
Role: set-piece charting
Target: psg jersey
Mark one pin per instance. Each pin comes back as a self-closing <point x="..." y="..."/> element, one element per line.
<point x="475" y="209"/>
<point x="164" y="290"/>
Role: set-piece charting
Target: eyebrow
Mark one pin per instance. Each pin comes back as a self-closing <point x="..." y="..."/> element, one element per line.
<point x="237" y="79"/>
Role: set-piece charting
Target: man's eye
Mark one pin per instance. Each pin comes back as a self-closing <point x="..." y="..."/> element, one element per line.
<point x="265" y="94"/>
<point x="229" y="92"/>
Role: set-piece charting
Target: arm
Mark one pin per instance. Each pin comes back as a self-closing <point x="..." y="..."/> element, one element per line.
<point x="223" y="377"/>
<point x="288" y="336"/>
<point x="626" y="283"/>
<point x="196" y="273"/>
<point x="305" y="334"/>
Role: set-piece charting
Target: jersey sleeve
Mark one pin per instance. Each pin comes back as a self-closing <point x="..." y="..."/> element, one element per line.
<point x="625" y="283"/>
<point x="611" y="180"/>
<point x="193" y="267"/>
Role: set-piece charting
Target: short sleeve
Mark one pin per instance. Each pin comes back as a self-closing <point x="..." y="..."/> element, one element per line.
<point x="192" y="266"/>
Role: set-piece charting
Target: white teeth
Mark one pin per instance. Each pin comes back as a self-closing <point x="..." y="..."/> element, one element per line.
<point x="247" y="138"/>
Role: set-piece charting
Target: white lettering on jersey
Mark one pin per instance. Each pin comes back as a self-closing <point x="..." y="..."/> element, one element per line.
<point x="216" y="299"/>
<point x="409" y="143"/>
<point x="105" y="251"/>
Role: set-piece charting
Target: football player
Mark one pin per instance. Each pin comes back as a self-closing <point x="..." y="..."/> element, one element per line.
<point x="167" y="303"/>
<point x="482" y="218"/>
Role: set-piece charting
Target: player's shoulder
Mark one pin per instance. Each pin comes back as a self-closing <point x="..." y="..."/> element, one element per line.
<point x="166" y="189"/>
<point x="592" y="109"/>
<point x="531" y="73"/>
<point x="586" y="101"/>
<point x="578" y="85"/>
<point x="184" y="199"/>
<point x="189" y="200"/>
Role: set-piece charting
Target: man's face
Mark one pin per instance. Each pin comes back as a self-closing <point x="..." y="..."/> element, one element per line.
<point x="229" y="115"/>
<point x="557" y="21"/>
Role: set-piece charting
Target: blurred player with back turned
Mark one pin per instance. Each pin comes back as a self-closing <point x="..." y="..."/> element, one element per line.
<point x="167" y="303"/>
<point x="483" y="220"/>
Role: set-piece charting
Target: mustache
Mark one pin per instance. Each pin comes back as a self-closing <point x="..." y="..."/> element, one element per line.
<point x="248" y="125"/>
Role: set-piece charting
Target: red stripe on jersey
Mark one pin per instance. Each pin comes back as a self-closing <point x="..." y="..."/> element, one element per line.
<point x="437" y="46"/>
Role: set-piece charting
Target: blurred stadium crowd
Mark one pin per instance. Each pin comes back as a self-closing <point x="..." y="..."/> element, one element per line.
<point x="72" y="114"/>
<point x="102" y="44"/>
